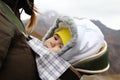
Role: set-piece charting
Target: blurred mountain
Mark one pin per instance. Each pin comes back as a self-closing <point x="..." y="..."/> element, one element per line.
<point x="44" y="21"/>
<point x="113" y="40"/>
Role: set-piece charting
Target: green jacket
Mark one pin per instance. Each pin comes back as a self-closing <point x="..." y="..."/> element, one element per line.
<point x="16" y="58"/>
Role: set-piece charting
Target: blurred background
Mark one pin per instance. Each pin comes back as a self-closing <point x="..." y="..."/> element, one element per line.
<point x="107" y="11"/>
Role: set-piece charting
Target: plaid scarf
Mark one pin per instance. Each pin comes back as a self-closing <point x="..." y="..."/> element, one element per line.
<point x="50" y="66"/>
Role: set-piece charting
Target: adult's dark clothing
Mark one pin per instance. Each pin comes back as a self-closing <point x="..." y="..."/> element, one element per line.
<point x="17" y="60"/>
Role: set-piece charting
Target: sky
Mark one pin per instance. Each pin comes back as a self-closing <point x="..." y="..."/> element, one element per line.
<point x="107" y="11"/>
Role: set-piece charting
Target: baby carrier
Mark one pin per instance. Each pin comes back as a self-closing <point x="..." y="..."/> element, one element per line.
<point x="85" y="51"/>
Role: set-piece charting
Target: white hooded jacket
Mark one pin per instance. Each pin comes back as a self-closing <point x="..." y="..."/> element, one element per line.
<point x="87" y="38"/>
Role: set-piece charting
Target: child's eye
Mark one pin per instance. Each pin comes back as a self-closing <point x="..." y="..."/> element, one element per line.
<point x="60" y="46"/>
<point x="55" y="38"/>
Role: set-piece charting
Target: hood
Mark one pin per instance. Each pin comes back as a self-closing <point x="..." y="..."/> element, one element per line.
<point x="87" y="38"/>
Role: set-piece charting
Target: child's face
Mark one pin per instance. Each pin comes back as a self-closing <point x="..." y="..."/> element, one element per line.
<point x="54" y="43"/>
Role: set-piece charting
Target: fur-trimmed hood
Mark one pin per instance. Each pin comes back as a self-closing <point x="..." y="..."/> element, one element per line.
<point x="87" y="38"/>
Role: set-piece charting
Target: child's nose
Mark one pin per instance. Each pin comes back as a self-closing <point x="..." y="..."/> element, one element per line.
<point x="52" y="44"/>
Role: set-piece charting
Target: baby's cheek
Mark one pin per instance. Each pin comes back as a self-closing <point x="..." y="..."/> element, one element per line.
<point x="56" y="50"/>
